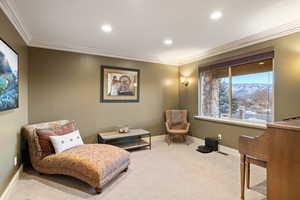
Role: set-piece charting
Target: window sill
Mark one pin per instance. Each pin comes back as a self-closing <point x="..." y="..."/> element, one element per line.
<point x="233" y="122"/>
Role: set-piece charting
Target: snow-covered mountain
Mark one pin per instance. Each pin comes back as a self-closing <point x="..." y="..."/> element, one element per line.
<point x="246" y="90"/>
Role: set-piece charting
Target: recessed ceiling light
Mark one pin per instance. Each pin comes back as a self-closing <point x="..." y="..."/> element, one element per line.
<point x="216" y="15"/>
<point x="168" y="42"/>
<point x="106" y="28"/>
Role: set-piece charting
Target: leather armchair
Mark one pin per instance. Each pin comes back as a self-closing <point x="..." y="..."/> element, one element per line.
<point x="176" y="123"/>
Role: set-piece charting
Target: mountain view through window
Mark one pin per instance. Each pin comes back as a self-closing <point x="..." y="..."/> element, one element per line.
<point x="241" y="92"/>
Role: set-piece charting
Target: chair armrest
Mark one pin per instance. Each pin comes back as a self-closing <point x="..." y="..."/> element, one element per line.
<point x="187" y="125"/>
<point x="167" y="123"/>
<point x="245" y="143"/>
<point x="252" y="146"/>
<point x="246" y="138"/>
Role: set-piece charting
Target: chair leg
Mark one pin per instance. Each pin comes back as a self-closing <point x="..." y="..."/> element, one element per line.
<point x="248" y="175"/>
<point x="186" y="141"/>
<point x="242" y="168"/>
<point x="98" y="190"/>
<point x="169" y="139"/>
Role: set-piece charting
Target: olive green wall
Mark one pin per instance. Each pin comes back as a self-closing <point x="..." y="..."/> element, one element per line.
<point x="286" y="86"/>
<point x="65" y="85"/>
<point x="12" y="120"/>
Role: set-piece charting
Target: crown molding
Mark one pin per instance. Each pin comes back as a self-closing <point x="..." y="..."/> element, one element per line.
<point x="273" y="33"/>
<point x="270" y="34"/>
<point x="277" y="32"/>
<point x="12" y="15"/>
<point x="91" y="51"/>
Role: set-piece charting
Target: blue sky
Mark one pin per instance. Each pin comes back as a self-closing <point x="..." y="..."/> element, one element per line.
<point x="266" y="78"/>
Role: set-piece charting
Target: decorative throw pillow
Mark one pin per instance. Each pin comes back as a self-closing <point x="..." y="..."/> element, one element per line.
<point x="44" y="140"/>
<point x="67" y="141"/>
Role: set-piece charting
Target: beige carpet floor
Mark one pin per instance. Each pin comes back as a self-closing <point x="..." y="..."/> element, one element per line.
<point x="175" y="172"/>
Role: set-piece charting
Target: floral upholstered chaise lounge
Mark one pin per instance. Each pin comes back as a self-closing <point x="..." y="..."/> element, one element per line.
<point x="95" y="164"/>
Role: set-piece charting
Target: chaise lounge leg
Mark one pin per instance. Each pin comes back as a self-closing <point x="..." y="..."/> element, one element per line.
<point x="98" y="190"/>
<point x="125" y="170"/>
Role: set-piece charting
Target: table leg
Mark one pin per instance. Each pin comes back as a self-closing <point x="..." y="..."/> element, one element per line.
<point x="100" y="140"/>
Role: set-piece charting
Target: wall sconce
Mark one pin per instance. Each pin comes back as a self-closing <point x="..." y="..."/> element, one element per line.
<point x="185" y="81"/>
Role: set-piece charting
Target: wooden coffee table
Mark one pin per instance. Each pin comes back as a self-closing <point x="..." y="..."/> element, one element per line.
<point x="134" y="139"/>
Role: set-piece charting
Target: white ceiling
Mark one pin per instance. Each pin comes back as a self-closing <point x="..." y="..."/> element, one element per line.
<point x="140" y="26"/>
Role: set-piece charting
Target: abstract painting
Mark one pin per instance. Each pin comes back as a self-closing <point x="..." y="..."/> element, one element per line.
<point x="9" y="86"/>
<point x="119" y="84"/>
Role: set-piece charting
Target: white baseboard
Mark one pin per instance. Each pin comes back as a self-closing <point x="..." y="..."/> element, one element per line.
<point x="222" y="148"/>
<point x="229" y="150"/>
<point x="11" y="184"/>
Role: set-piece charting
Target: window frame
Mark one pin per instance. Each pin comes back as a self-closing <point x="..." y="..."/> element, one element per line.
<point x="230" y="120"/>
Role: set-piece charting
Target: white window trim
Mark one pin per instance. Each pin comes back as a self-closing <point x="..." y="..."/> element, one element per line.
<point x="232" y="121"/>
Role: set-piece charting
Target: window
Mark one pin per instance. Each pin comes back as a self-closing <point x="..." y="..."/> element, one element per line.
<point x="238" y="91"/>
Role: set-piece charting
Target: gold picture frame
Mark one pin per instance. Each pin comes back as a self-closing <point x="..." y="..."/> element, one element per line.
<point x="120" y="85"/>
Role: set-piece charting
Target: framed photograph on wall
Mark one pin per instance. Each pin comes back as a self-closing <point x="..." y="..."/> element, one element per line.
<point x="9" y="77"/>
<point x="120" y="84"/>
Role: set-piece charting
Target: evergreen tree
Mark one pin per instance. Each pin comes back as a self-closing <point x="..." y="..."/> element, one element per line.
<point x="224" y="98"/>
